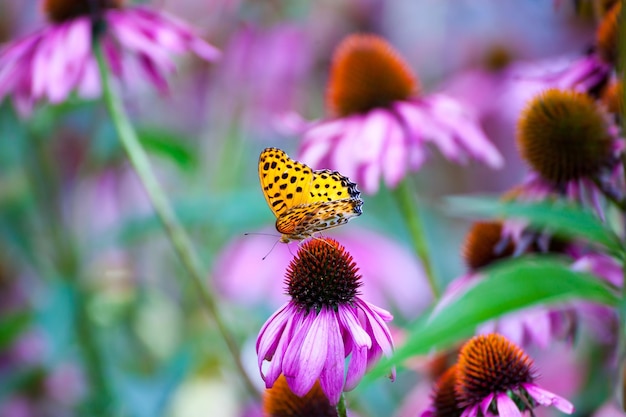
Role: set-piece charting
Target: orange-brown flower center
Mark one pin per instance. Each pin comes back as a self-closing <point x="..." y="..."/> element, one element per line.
<point x="563" y="135"/>
<point x="490" y="364"/>
<point x="280" y="401"/>
<point x="444" y="398"/>
<point x="607" y="35"/>
<point x="484" y="245"/>
<point x="62" y="10"/>
<point x="366" y="73"/>
<point x="613" y="98"/>
<point x="322" y="274"/>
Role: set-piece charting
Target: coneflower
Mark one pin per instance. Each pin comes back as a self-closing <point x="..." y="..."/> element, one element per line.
<point x="58" y="60"/>
<point x="325" y="321"/>
<point x="379" y="122"/>
<point x="496" y="376"/>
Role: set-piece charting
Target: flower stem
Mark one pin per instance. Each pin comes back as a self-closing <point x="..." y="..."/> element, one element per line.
<point x="341" y="407"/>
<point x="174" y="231"/>
<point x="407" y="202"/>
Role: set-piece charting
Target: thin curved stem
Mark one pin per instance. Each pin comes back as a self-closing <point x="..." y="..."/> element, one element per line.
<point x="407" y="202"/>
<point x="174" y="231"/>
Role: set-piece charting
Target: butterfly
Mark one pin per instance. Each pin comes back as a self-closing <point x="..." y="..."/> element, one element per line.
<point x="305" y="201"/>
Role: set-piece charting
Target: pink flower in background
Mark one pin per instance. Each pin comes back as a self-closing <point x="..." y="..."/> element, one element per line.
<point x="326" y="321"/>
<point x="380" y="125"/>
<point x="391" y="274"/>
<point x="58" y="59"/>
<point x="263" y="74"/>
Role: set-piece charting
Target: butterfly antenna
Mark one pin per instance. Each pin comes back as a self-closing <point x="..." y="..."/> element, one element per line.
<point x="258" y="234"/>
<point x="271" y="249"/>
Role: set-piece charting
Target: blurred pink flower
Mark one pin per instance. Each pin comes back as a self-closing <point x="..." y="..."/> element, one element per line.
<point x="262" y="74"/>
<point x="58" y="59"/>
<point x="381" y="125"/>
<point x="65" y="384"/>
<point x="391" y="274"/>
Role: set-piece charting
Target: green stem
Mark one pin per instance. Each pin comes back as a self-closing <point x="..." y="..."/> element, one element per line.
<point x="341" y="407"/>
<point x="407" y="203"/>
<point x="177" y="236"/>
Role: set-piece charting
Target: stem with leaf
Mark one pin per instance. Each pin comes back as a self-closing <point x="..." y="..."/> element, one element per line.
<point x="174" y="231"/>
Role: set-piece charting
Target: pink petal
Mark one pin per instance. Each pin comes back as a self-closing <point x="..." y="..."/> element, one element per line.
<point x="547" y="398"/>
<point x="331" y="377"/>
<point x="306" y="355"/>
<point x="507" y="407"/>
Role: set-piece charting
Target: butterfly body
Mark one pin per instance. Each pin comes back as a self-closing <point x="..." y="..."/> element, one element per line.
<point x="305" y="201"/>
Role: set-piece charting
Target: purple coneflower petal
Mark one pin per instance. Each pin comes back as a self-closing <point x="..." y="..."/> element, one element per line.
<point x="548" y="398"/>
<point x="485" y="403"/>
<point x="394" y="161"/>
<point x="506" y="406"/>
<point x="268" y="336"/>
<point x="331" y="377"/>
<point x="306" y="355"/>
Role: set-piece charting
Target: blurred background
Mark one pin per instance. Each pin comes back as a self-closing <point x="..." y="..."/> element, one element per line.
<point x="93" y="302"/>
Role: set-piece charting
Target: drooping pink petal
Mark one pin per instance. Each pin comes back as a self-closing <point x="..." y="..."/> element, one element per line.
<point x="306" y="355"/>
<point x="331" y="377"/>
<point x="268" y="335"/>
<point x="506" y="406"/>
<point x="545" y="397"/>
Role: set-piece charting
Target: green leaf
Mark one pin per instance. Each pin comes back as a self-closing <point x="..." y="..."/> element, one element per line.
<point x="12" y="326"/>
<point x="169" y="145"/>
<point x="555" y="216"/>
<point x="506" y="287"/>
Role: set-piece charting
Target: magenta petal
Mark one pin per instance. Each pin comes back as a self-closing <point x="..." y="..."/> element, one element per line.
<point x="485" y="403"/>
<point x="270" y="332"/>
<point x="331" y="377"/>
<point x="306" y="355"/>
<point x="356" y="367"/>
<point x="506" y="406"/>
<point x="548" y="398"/>
<point x="275" y="367"/>
<point x="470" y="411"/>
<point x="395" y="154"/>
<point x="350" y="323"/>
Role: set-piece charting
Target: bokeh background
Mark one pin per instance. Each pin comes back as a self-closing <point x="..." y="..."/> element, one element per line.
<point x="89" y="284"/>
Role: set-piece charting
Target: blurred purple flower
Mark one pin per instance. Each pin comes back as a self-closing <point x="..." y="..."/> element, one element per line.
<point x="263" y="71"/>
<point x="381" y="125"/>
<point x="391" y="274"/>
<point x="65" y="384"/>
<point x="309" y="337"/>
<point x="58" y="59"/>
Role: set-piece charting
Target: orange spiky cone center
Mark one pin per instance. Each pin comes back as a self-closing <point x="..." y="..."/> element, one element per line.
<point x="367" y="73"/>
<point x="322" y="274"/>
<point x="490" y="364"/>
<point x="280" y="401"/>
<point x="481" y="245"/>
<point x="607" y="35"/>
<point x="563" y="135"/>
